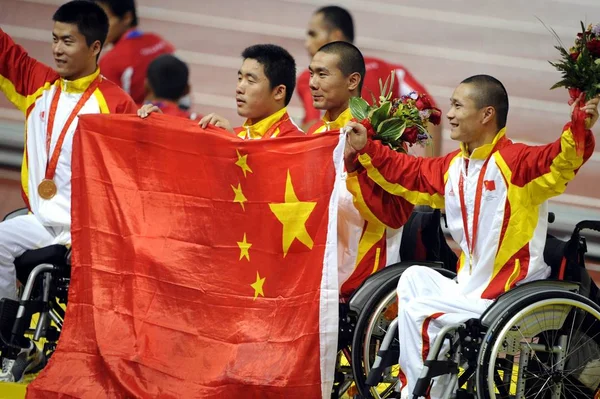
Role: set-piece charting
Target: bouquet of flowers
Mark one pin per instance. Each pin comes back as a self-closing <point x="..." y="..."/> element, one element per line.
<point x="580" y="65"/>
<point x="396" y="121"/>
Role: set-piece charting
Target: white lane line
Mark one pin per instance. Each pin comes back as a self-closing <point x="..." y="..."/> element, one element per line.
<point x="458" y="18"/>
<point x="262" y="28"/>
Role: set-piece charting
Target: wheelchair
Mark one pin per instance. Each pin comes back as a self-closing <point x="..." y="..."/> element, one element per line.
<point x="423" y="242"/>
<point x="538" y="340"/>
<point x="44" y="274"/>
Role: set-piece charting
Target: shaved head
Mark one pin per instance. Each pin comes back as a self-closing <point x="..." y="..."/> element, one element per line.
<point x="490" y="93"/>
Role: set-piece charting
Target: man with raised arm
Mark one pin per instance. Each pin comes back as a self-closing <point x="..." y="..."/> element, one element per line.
<point x="495" y="194"/>
<point x="51" y="100"/>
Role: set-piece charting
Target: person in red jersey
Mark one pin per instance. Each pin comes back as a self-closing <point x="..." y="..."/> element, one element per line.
<point x="167" y="83"/>
<point x="332" y="23"/>
<point x="51" y="100"/>
<point x="133" y="50"/>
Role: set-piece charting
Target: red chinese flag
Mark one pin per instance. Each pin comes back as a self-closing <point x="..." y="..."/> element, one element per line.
<point x="489" y="185"/>
<point x="204" y="266"/>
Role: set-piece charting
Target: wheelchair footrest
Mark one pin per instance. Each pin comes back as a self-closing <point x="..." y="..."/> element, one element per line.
<point x="387" y="358"/>
<point x="434" y="369"/>
<point x="8" y="315"/>
<point x="462" y="394"/>
<point x="440" y="367"/>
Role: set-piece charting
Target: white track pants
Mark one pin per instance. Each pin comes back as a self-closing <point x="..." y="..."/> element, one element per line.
<point x="18" y="235"/>
<point x="428" y="301"/>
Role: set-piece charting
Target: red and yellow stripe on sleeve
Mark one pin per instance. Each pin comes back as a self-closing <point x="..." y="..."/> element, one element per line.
<point x="418" y="180"/>
<point x="22" y="78"/>
<point x="544" y="171"/>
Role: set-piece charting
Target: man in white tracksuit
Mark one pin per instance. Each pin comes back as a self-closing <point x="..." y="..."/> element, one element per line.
<point x="494" y="192"/>
<point x="50" y="101"/>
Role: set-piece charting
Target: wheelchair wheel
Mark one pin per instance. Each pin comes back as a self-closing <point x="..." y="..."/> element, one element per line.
<point x="546" y="347"/>
<point x="371" y="327"/>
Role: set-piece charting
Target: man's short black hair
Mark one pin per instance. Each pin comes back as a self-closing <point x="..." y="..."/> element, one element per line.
<point x="91" y="20"/>
<point x="168" y="77"/>
<point x="351" y="59"/>
<point x="490" y="93"/>
<point x="121" y="7"/>
<point x="338" y="18"/>
<point x="279" y="66"/>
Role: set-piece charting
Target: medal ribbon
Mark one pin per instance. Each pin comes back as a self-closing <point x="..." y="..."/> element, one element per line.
<point x="478" y="193"/>
<point x="53" y="161"/>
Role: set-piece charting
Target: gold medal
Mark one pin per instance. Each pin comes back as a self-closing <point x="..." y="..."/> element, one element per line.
<point x="47" y="189"/>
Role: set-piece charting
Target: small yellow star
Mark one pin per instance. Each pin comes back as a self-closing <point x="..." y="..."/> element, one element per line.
<point x="242" y="162"/>
<point x="244" y="248"/>
<point x="239" y="195"/>
<point x="293" y="214"/>
<point x="258" y="286"/>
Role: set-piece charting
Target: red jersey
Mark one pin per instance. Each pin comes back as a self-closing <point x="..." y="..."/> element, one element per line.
<point x="127" y="63"/>
<point x="171" y="108"/>
<point x="376" y="69"/>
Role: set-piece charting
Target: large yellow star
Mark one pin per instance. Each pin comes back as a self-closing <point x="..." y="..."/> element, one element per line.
<point x="242" y="162"/>
<point x="239" y="195"/>
<point x="258" y="286"/>
<point x="244" y="248"/>
<point x="293" y="214"/>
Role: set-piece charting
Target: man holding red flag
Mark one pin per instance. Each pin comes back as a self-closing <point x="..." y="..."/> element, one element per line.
<point x="266" y="82"/>
<point x="51" y="101"/>
<point x="495" y="194"/>
<point x="365" y="244"/>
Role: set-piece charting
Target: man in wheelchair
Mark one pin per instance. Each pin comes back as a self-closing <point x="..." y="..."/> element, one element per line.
<point x="51" y="100"/>
<point x="495" y="194"/>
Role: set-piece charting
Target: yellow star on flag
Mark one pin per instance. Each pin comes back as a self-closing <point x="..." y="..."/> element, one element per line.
<point x="239" y="195"/>
<point x="258" y="286"/>
<point x="244" y="248"/>
<point x="293" y="214"/>
<point x="242" y="162"/>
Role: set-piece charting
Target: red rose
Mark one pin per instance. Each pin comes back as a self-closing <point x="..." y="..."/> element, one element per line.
<point x="435" y="117"/>
<point x="423" y="103"/>
<point x="594" y="47"/>
<point x="367" y="124"/>
<point x="410" y="134"/>
<point x="574" y="55"/>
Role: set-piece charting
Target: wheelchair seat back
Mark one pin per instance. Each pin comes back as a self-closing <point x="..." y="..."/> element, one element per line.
<point x="424" y="240"/>
<point x="567" y="260"/>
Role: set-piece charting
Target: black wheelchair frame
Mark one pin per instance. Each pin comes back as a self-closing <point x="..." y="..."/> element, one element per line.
<point x="468" y="342"/>
<point x="45" y="275"/>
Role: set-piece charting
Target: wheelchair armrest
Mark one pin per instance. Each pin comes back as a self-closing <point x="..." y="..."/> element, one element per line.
<point x="52" y="254"/>
<point x="15" y="213"/>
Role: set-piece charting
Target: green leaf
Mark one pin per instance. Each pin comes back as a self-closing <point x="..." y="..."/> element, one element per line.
<point x="392" y="130"/>
<point x="380" y="114"/>
<point x="359" y="108"/>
